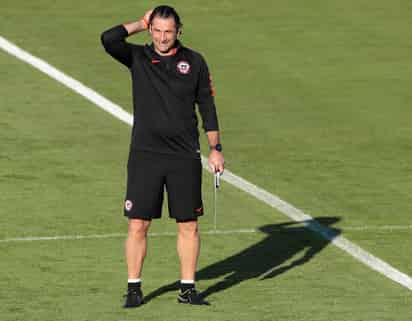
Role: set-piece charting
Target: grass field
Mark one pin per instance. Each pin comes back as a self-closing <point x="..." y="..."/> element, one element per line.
<point x="314" y="104"/>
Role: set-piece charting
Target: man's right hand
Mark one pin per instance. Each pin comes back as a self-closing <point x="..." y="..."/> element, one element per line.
<point x="140" y="25"/>
<point x="146" y="18"/>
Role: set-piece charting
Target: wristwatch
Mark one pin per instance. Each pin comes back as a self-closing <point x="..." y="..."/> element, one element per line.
<point x="217" y="147"/>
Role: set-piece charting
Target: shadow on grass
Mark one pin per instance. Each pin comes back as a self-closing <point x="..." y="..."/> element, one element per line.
<point x="267" y="258"/>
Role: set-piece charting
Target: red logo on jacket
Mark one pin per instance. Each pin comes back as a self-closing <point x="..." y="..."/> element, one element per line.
<point x="183" y="67"/>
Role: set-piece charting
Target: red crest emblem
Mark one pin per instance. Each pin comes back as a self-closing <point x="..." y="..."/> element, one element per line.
<point x="128" y="205"/>
<point x="183" y="67"/>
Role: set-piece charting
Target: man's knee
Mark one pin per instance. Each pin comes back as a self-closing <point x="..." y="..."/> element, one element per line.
<point x="188" y="229"/>
<point x="138" y="227"/>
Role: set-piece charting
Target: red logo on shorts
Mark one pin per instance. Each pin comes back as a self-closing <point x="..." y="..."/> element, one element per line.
<point x="128" y="205"/>
<point x="199" y="210"/>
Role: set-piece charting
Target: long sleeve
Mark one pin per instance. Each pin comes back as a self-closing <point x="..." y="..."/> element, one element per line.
<point x="113" y="41"/>
<point x="205" y="99"/>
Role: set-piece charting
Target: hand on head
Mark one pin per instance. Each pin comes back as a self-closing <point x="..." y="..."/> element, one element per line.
<point x="146" y="18"/>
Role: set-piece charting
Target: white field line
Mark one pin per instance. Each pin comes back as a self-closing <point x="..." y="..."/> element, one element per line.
<point x="261" y="194"/>
<point x="116" y="235"/>
<point x="68" y="81"/>
<point x="220" y="232"/>
<point x="377" y="228"/>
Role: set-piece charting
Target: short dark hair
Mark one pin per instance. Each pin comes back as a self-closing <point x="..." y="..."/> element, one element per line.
<point x="166" y="12"/>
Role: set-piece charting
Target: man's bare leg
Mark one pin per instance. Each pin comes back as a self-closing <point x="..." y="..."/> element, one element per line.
<point x="188" y="248"/>
<point x="136" y="247"/>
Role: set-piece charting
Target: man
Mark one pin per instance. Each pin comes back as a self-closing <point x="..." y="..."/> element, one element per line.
<point x="168" y="80"/>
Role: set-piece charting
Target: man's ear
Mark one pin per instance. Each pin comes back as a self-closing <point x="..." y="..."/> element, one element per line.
<point x="179" y="32"/>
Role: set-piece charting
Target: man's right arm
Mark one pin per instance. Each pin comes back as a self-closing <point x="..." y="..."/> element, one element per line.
<point x="114" y="43"/>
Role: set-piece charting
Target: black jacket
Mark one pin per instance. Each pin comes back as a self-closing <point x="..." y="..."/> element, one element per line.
<point x="165" y="91"/>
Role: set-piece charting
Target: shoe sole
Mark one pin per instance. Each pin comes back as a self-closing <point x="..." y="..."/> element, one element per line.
<point x="134" y="306"/>
<point x="190" y="303"/>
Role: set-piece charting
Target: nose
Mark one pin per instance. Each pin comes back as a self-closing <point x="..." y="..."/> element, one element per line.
<point x="163" y="37"/>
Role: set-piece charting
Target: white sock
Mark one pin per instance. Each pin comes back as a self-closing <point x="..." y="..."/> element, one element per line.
<point x="134" y="280"/>
<point x="187" y="281"/>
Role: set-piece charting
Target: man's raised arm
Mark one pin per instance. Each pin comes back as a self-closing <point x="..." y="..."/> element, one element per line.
<point x="113" y="39"/>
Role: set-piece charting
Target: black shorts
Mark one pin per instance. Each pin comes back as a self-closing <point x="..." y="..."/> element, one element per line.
<point x="149" y="174"/>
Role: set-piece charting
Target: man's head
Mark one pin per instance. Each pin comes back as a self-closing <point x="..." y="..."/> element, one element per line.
<point x="164" y="27"/>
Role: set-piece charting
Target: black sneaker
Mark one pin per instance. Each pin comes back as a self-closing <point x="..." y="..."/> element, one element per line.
<point x="134" y="298"/>
<point x="191" y="296"/>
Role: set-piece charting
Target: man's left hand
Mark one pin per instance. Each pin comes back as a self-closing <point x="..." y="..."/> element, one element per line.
<point x="216" y="162"/>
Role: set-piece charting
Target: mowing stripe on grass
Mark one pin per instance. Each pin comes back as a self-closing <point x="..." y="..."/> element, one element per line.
<point x="261" y="194"/>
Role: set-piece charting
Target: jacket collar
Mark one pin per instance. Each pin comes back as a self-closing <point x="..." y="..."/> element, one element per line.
<point x="150" y="51"/>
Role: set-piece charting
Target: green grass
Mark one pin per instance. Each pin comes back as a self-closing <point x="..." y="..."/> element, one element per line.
<point x="314" y="105"/>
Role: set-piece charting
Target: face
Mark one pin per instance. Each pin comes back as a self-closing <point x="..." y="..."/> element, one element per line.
<point x="164" y="34"/>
